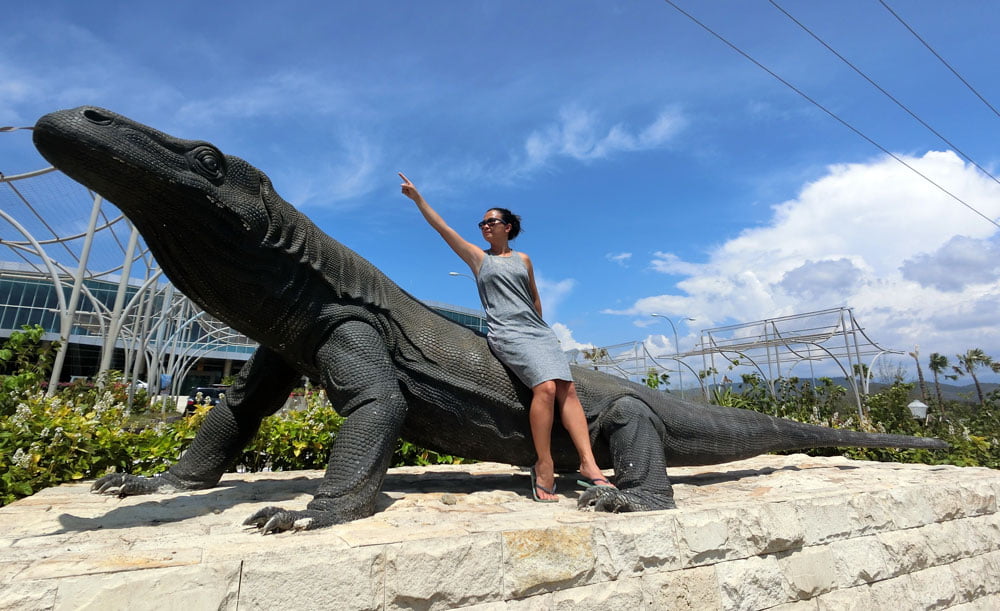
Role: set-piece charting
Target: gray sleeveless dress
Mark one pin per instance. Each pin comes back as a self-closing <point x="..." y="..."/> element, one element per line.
<point x="517" y="334"/>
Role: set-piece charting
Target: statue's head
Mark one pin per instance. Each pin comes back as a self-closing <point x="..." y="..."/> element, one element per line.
<point x="199" y="211"/>
<point x="175" y="191"/>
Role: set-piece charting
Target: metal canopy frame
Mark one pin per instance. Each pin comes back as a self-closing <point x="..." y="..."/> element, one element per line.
<point x="775" y="346"/>
<point x="772" y="348"/>
<point x="159" y="330"/>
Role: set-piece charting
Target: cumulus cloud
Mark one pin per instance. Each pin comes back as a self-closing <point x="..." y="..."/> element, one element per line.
<point x="566" y="340"/>
<point x="916" y="267"/>
<point x="822" y="280"/>
<point x="960" y="262"/>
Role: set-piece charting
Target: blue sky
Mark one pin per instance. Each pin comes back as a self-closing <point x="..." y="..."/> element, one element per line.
<point x="656" y="169"/>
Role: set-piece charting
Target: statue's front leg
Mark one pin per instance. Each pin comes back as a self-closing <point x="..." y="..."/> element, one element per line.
<point x="260" y="389"/>
<point x="361" y="383"/>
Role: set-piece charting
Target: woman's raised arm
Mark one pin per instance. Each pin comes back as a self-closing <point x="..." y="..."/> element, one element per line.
<point x="467" y="251"/>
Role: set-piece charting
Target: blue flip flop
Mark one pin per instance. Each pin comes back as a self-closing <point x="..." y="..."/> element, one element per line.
<point x="535" y="487"/>
<point x="587" y="482"/>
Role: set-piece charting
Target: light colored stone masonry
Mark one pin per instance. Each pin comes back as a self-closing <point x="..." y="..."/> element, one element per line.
<point x="773" y="532"/>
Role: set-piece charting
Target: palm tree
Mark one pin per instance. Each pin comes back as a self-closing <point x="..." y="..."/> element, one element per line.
<point x="920" y="373"/>
<point x="938" y="364"/>
<point x="973" y="358"/>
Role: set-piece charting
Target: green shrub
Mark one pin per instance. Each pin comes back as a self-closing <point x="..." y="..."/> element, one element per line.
<point x="71" y="436"/>
<point x="25" y="361"/>
<point x="51" y="440"/>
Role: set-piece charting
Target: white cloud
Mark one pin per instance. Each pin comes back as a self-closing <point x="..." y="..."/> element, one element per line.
<point x="916" y="266"/>
<point x="552" y="293"/>
<point x="581" y="135"/>
<point x="621" y="258"/>
<point x="957" y="264"/>
<point x="566" y="340"/>
<point x="344" y="175"/>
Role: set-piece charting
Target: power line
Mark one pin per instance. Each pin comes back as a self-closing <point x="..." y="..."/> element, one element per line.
<point x="830" y="112"/>
<point x="884" y="92"/>
<point x="937" y="55"/>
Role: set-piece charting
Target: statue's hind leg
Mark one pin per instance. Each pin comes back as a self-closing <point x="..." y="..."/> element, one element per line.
<point x="635" y="436"/>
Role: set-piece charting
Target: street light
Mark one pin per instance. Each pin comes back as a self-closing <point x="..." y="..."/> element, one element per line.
<point x="680" y="370"/>
<point x="461" y="274"/>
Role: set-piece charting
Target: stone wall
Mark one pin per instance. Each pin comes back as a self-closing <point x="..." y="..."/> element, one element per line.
<point x="772" y="532"/>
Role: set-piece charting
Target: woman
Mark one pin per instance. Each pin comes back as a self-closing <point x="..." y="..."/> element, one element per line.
<point x="520" y="338"/>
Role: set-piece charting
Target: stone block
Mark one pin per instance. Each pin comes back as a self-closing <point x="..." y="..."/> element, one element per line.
<point x="977" y="497"/>
<point x="798" y="605"/>
<point x="892" y="594"/>
<point x="849" y="599"/>
<point x="77" y="562"/>
<point x="987" y="603"/>
<point x="443" y="573"/>
<point x="773" y="527"/>
<point x="546" y="560"/>
<point x="314" y="578"/>
<point x="691" y="589"/>
<point x="906" y="551"/>
<point x="991" y="572"/>
<point x="708" y="536"/>
<point x="987" y="532"/>
<point x="859" y="561"/>
<point x="809" y="572"/>
<point x="640" y="546"/>
<point x="970" y="576"/>
<point x="934" y="588"/>
<point x="951" y="541"/>
<point x="207" y="586"/>
<point x="754" y="583"/>
<point x="28" y="595"/>
<point x="910" y="507"/>
<point x="620" y="594"/>
<point x="875" y="512"/>
<point x="826" y="519"/>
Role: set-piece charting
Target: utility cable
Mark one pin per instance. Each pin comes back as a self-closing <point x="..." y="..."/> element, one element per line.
<point x="937" y="55"/>
<point x="884" y="92"/>
<point x="831" y="113"/>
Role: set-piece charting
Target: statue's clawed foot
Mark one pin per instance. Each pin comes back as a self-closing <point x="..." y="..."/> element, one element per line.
<point x="124" y="484"/>
<point x="612" y="500"/>
<point x="276" y="519"/>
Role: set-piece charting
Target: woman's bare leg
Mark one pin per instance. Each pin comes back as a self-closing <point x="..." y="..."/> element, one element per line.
<point x="575" y="421"/>
<point x="541" y="414"/>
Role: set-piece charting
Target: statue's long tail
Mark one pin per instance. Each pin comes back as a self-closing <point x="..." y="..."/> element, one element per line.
<point x="709" y="434"/>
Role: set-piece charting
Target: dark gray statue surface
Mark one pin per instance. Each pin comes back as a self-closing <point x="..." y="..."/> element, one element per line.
<point x="391" y="366"/>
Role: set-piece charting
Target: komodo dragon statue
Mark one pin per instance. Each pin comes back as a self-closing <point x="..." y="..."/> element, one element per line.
<point x="391" y="366"/>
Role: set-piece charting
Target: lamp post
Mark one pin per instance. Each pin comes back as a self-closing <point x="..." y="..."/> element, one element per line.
<point x="680" y="370"/>
<point x="461" y="274"/>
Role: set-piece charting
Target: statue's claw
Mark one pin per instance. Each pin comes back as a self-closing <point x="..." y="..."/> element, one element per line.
<point x="613" y="500"/>
<point x="124" y="484"/>
<point x="275" y="519"/>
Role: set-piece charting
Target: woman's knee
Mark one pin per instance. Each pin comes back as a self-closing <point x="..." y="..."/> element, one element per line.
<point x="564" y="390"/>
<point x="545" y="390"/>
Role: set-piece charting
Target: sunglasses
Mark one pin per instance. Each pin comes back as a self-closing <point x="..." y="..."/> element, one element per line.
<point x="490" y="223"/>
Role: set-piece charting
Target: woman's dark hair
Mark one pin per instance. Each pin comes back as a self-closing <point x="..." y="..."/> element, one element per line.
<point x="511" y="219"/>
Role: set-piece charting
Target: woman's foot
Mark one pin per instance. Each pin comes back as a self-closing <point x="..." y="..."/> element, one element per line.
<point x="543" y="484"/>
<point x="592" y="476"/>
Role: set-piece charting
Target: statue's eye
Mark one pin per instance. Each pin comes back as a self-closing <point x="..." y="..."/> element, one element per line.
<point x="208" y="162"/>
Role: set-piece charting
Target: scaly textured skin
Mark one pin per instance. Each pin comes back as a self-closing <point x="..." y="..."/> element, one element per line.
<point x="391" y="366"/>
